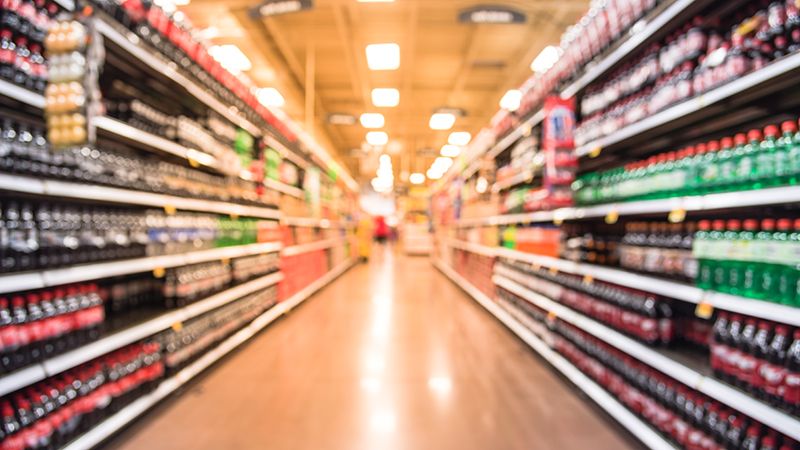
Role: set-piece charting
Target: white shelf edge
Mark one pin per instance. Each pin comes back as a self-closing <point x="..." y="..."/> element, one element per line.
<point x="94" y="271"/>
<point x="314" y="223"/>
<point x="515" y="135"/>
<point x="626" y="48"/>
<point x="285" y="188"/>
<point x="313" y="246"/>
<point x="143" y="55"/>
<point x="33" y="374"/>
<point x="742" y="402"/>
<point x="612" y="406"/>
<point x="111" y="425"/>
<point x="470" y="247"/>
<point x="16" y="183"/>
<point x="19" y="93"/>
<point x="695" y="104"/>
<point x="286" y="153"/>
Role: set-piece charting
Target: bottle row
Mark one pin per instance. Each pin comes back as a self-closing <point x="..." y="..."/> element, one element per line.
<point x="687" y="418"/>
<point x="31" y="19"/>
<point x="38" y="325"/>
<point x="751" y="161"/>
<point x="45" y="235"/>
<point x="696" y="58"/>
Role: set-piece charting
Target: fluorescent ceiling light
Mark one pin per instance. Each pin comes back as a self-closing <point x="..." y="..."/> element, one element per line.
<point x="377" y="138"/>
<point x="443" y="163"/>
<point x="270" y="97"/>
<point x="385" y="97"/>
<point x="416" y="178"/>
<point x="511" y="100"/>
<point x="451" y="151"/>
<point x="545" y="60"/>
<point x="386" y="159"/>
<point x="442" y="121"/>
<point x="459" y="138"/>
<point x="383" y="56"/>
<point x="230" y="57"/>
<point x="372" y="120"/>
<point x="433" y="174"/>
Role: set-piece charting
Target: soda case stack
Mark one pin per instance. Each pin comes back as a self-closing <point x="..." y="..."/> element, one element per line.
<point x="642" y="315"/>
<point x="196" y="337"/>
<point x="23" y="30"/>
<point x="753" y="161"/>
<point x="699" y="56"/>
<point x="750" y="259"/>
<point x="760" y="357"/>
<point x="40" y="325"/>
<point x="476" y="268"/>
<point x="688" y="418"/>
<point x="53" y="412"/>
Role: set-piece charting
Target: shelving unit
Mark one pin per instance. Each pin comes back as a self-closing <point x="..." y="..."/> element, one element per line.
<point x="628" y="420"/>
<point x="309" y="222"/>
<point x="87" y="272"/>
<point x="22" y="95"/>
<point x="522" y="177"/>
<point x="721" y="392"/>
<point x="285" y="188"/>
<point x="314" y="246"/>
<point x="115" y="423"/>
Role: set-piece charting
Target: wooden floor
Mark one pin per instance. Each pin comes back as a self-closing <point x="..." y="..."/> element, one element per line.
<point x="389" y="356"/>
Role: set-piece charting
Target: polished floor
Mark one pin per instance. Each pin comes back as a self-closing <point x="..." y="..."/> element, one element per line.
<point x="391" y="355"/>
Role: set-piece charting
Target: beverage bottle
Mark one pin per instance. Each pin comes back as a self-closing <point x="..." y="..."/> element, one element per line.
<point x="769" y="443"/>
<point x="772" y="373"/>
<point x="8" y="54"/>
<point x="766" y="170"/>
<point x="10" y="423"/>
<point x="732" y="365"/>
<point x="701" y="251"/>
<point x="791" y="383"/>
<point x="751" y="245"/>
<point x="743" y="344"/>
<point x="691" y="168"/>
<point x="22" y="62"/>
<point x="789" y="269"/>
<point x="51" y="325"/>
<point x="728" y="163"/>
<point x="752" y="440"/>
<point x="709" y="167"/>
<point x="732" y="280"/>
<point x="8" y="337"/>
<point x="794" y="160"/>
<point x="746" y="170"/>
<point x="782" y="152"/>
<point x="20" y="315"/>
<point x="35" y="327"/>
<point x="719" y="345"/>
<point x="759" y="356"/>
<point x="736" y="432"/>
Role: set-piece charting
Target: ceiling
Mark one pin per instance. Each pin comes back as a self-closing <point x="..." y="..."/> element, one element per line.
<point x="319" y="56"/>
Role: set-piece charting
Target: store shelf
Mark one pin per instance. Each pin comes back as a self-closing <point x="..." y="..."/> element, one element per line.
<point x="153" y="143"/>
<point x="130" y="43"/>
<point x="113" y="424"/>
<point x="314" y="246"/>
<point x="523" y="177"/>
<point x="627" y="419"/>
<point x="66" y="189"/>
<point x="22" y="95"/>
<point x="725" y="394"/>
<point x="765" y="80"/>
<point x="285" y="188"/>
<point x="665" y="20"/>
<point x="33" y="374"/>
<point x="672" y="289"/>
<point x="470" y="247"/>
<point x="87" y="272"/>
<point x="522" y="130"/>
<point x="315" y="223"/>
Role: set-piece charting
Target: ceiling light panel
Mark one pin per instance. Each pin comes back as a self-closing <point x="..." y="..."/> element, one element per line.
<point x="230" y="57"/>
<point x="377" y="138"/>
<point x="270" y="97"/>
<point x="383" y="56"/>
<point x="442" y="121"/>
<point x="416" y="178"/>
<point x="511" y="100"/>
<point x="451" y="151"/>
<point x="372" y="120"/>
<point x="387" y="98"/>
<point x="545" y="60"/>
<point x="459" y="138"/>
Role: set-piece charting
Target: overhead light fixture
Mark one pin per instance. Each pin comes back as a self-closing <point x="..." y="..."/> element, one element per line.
<point x="385" y="97"/>
<point x="383" y="56"/>
<point x="545" y="60"/>
<point x="372" y="120"/>
<point x="416" y="178"/>
<point x="270" y="97"/>
<point x="442" y="121"/>
<point x="443" y="163"/>
<point x="386" y="159"/>
<point x="451" y="151"/>
<point x="511" y="100"/>
<point x="459" y="138"/>
<point x="433" y="174"/>
<point x="230" y="57"/>
<point x="377" y="138"/>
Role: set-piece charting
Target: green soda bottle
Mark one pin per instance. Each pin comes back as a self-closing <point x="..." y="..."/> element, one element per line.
<point x="791" y="267"/>
<point x="701" y="251"/>
<point x="719" y="253"/>
<point x="768" y="278"/>
<point x="794" y="160"/>
<point x="648" y="179"/>
<point x="733" y="263"/>
<point x="727" y="163"/>
<point x="690" y="171"/>
<point x="765" y="160"/>
<point x="780" y="257"/>
<point x="750" y="247"/>
<point x="746" y="171"/>
<point x="784" y="146"/>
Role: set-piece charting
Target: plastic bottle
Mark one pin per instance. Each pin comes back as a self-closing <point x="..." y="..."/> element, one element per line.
<point x="702" y="252"/>
<point x="783" y="152"/>
<point x="766" y="170"/>
<point x="791" y="385"/>
<point x="746" y="170"/>
<point x="751" y="245"/>
<point x="773" y="373"/>
<point x="728" y="163"/>
<point x="733" y="278"/>
<point x="719" y="346"/>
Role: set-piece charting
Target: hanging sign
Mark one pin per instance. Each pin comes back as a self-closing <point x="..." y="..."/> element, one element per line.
<point x="494" y="14"/>
<point x="341" y="119"/>
<point x="277" y="7"/>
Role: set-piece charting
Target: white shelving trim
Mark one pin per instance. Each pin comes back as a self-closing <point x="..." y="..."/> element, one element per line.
<point x="113" y="424"/>
<point x="95" y="271"/>
<point x="641" y="430"/>
<point x="314" y="246"/>
<point x="33" y="374"/>
<point x="130" y="42"/>
<point x="16" y="183"/>
<point x="726" y="91"/>
<point x="470" y="247"/>
<point x="315" y="223"/>
<point x="20" y="94"/>
<point x="520" y="131"/>
<point x="285" y="188"/>
<point x="740" y="401"/>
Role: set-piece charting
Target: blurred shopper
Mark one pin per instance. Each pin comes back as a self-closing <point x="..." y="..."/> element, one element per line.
<point x="381" y="233"/>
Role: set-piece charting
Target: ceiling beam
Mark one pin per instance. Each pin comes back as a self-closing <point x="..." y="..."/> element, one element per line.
<point x="358" y="79"/>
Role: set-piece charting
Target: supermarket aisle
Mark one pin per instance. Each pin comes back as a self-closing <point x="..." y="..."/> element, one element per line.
<point x="390" y="356"/>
